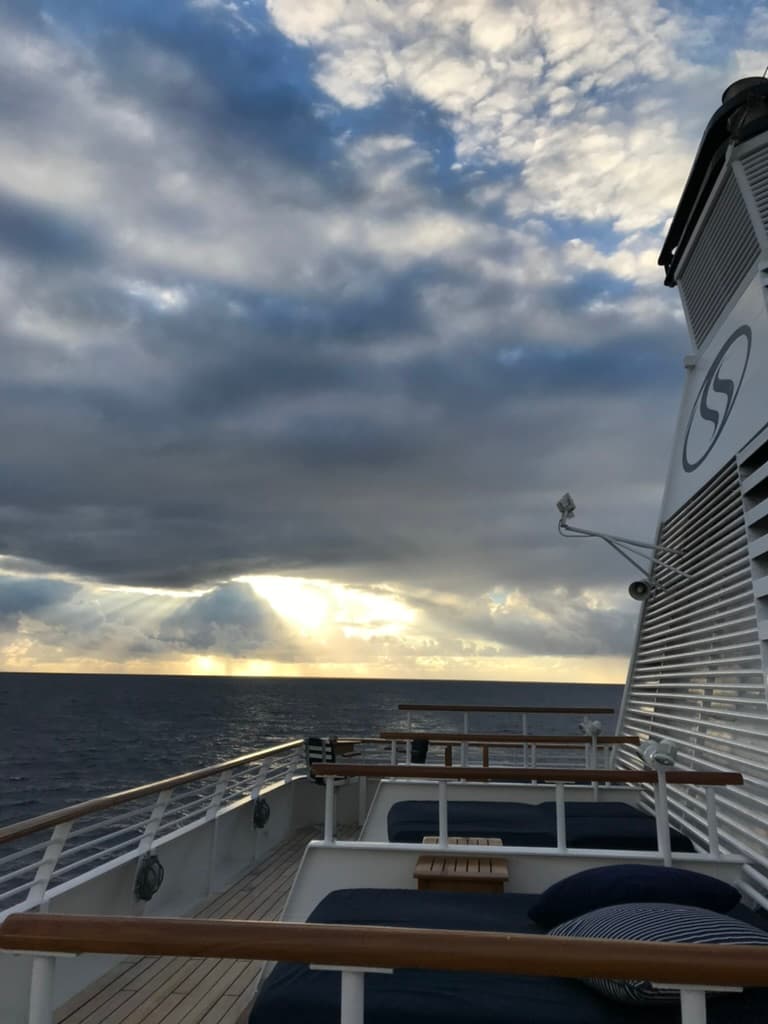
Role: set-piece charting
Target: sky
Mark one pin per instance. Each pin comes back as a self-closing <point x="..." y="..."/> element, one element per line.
<point x="310" y="312"/>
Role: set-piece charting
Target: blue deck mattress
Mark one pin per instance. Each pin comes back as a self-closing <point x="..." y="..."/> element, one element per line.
<point x="294" y="994"/>
<point x="608" y="825"/>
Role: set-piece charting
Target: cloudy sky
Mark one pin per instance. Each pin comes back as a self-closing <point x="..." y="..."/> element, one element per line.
<point x="309" y="312"/>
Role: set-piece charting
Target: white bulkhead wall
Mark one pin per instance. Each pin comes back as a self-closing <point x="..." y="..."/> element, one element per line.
<point x="698" y="671"/>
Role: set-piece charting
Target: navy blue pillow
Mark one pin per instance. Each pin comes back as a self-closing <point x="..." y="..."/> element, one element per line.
<point x="630" y="883"/>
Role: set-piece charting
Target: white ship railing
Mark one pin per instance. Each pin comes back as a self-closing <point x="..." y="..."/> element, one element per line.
<point x="355" y="950"/>
<point x="521" y="710"/>
<point x="660" y="779"/>
<point x="95" y="836"/>
<point x="523" y="750"/>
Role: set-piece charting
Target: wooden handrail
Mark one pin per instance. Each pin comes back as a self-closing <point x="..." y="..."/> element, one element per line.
<point x="375" y="946"/>
<point x="475" y="774"/>
<point x="101" y="803"/>
<point x="507" y="738"/>
<point x="521" y="709"/>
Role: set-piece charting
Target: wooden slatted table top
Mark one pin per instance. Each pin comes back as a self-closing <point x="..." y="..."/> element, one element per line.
<point x="453" y="873"/>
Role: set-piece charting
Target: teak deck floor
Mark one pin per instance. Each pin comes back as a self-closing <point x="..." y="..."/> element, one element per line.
<point x="182" y="990"/>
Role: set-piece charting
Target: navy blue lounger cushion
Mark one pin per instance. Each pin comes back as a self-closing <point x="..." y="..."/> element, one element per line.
<point x="656" y="922"/>
<point x="630" y="883"/>
<point x="607" y="825"/>
<point x="295" y="994"/>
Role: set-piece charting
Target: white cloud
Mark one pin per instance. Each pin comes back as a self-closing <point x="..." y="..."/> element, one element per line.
<point x="506" y="79"/>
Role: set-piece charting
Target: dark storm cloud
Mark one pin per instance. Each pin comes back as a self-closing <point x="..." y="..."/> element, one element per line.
<point x="557" y="621"/>
<point x="31" y="596"/>
<point x="230" y="619"/>
<point x="32" y="232"/>
<point x="234" y="347"/>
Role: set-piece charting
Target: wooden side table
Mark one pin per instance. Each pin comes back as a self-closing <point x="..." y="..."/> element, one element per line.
<point x="446" y="872"/>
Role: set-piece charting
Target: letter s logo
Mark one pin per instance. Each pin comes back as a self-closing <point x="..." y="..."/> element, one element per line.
<point x="716" y="398"/>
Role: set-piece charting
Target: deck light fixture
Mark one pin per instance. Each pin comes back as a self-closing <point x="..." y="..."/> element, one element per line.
<point x="590" y="726"/>
<point x="658" y="754"/>
<point x="639" y="589"/>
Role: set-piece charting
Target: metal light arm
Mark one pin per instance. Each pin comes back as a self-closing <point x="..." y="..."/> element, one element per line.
<point x="625" y="546"/>
<point x="620" y="543"/>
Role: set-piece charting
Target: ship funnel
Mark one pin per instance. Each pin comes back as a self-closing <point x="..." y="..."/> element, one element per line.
<point x="753" y="107"/>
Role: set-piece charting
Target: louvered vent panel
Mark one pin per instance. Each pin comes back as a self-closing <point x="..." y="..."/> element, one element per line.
<point x="721" y="256"/>
<point x="698" y="672"/>
<point x="756" y="168"/>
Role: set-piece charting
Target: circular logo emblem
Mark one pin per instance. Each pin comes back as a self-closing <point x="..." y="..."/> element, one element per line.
<point x="716" y="398"/>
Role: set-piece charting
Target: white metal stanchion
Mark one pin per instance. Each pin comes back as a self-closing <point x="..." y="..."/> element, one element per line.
<point x="693" y="1000"/>
<point x="560" y="816"/>
<point x="362" y="800"/>
<point x="352" y="997"/>
<point x="330" y="810"/>
<point x="442" y="812"/>
<point x="352" y="1009"/>
<point x="662" y="816"/>
<point x="41" y="990"/>
<point x="714" y="841"/>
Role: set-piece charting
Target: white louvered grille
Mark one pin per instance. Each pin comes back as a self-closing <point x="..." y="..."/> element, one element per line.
<point x="721" y="255"/>
<point x="698" y="676"/>
<point x="756" y="168"/>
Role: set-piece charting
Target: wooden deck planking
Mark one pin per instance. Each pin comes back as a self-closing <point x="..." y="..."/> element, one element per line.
<point x="183" y="990"/>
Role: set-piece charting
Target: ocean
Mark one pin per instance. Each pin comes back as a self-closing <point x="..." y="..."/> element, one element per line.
<point x="68" y="738"/>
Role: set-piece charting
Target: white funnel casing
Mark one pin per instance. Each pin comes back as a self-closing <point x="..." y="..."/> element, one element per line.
<point x="697" y="676"/>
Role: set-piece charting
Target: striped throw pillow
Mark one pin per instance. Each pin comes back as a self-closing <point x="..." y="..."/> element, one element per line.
<point x="656" y="922"/>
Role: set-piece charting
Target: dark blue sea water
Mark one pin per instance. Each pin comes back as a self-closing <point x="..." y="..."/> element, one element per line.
<point x="67" y="738"/>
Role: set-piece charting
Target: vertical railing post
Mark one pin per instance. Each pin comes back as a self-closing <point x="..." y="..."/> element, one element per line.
<point x="261" y="776"/>
<point x="352" y="1003"/>
<point x="50" y="859"/>
<point x="352" y="997"/>
<point x="211" y="814"/>
<point x="693" y="1006"/>
<point x="714" y="839"/>
<point x="662" y="816"/>
<point x="362" y="800"/>
<point x="329" y="829"/>
<point x="442" y="812"/>
<point x="41" y="990"/>
<point x="594" y="763"/>
<point x="393" y="752"/>
<point x="150" y="831"/>
<point x="562" y="842"/>
<point x="218" y="795"/>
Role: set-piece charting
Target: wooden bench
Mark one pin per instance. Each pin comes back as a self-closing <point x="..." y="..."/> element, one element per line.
<point x="446" y="872"/>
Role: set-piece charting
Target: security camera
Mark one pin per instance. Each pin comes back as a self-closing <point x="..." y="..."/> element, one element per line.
<point x="665" y="760"/>
<point x="566" y="507"/>
<point x="658" y="755"/>
<point x="639" y="589"/>
<point x="590" y="726"/>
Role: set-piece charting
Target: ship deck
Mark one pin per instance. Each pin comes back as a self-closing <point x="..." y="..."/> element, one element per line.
<point x="183" y="990"/>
